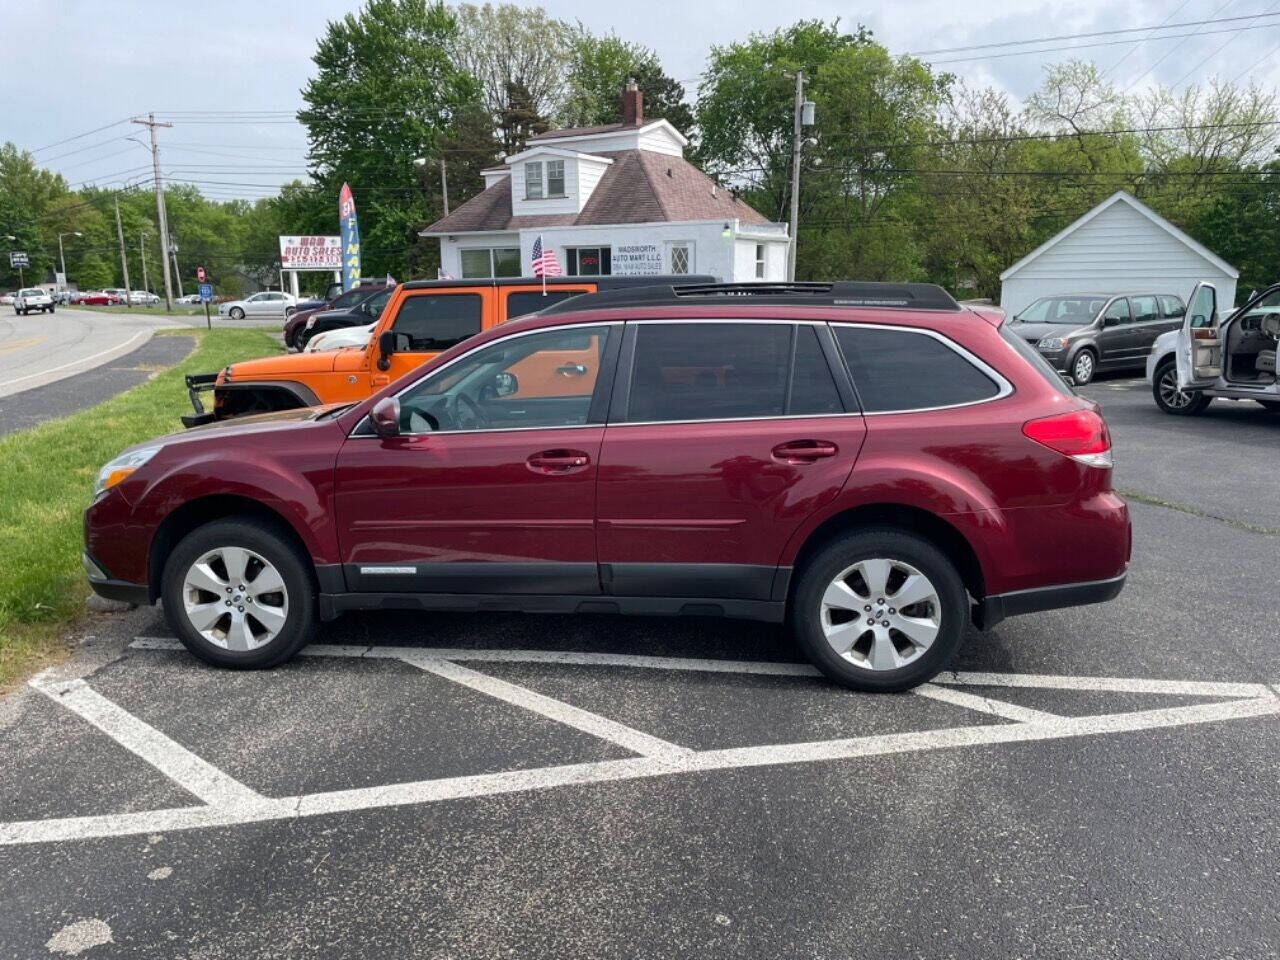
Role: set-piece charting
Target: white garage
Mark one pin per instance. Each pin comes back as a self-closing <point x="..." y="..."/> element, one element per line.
<point x="1120" y="246"/>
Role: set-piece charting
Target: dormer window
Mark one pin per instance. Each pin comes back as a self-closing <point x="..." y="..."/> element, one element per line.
<point x="535" y="187"/>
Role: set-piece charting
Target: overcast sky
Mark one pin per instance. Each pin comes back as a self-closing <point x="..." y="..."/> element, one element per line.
<point x="73" y="65"/>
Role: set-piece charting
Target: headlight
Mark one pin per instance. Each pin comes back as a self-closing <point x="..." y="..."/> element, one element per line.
<point x="119" y="468"/>
<point x="1052" y="343"/>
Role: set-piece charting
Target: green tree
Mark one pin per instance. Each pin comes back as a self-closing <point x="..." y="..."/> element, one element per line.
<point x="26" y="195"/>
<point x="599" y="68"/>
<point x="385" y="89"/>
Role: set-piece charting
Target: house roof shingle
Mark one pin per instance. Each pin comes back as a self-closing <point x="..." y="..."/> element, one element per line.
<point x="640" y="186"/>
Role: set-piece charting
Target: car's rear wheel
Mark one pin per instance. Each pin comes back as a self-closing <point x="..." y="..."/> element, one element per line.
<point x="882" y="610"/>
<point x="1170" y="399"/>
<point x="290" y="311"/>
<point x="1083" y="367"/>
<point x="238" y="594"/>
<point x="236" y="313"/>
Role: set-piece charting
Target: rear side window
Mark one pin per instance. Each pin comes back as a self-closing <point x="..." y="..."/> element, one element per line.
<point x="437" y="321"/>
<point x="1144" y="309"/>
<point x="726" y="371"/>
<point x="904" y="370"/>
<point x="1171" y="308"/>
<point x="531" y="301"/>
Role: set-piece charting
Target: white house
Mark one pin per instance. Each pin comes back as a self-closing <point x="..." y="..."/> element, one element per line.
<point x="614" y="199"/>
<point x="1120" y="246"/>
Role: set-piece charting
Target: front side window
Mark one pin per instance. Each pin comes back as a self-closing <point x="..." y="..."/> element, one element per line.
<point x="709" y="371"/>
<point x="555" y="178"/>
<point x="544" y="379"/>
<point x="901" y="370"/>
<point x="588" y="261"/>
<point x="1117" y="313"/>
<point x="436" y="321"/>
<point x="533" y="180"/>
<point x="1204" y="308"/>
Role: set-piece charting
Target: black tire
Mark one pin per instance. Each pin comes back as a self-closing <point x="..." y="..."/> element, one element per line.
<point x="51" y="310"/>
<point x="1084" y="367"/>
<point x="290" y="311"/>
<point x="1168" y="371"/>
<point x="302" y="339"/>
<point x="236" y="313"/>
<point x="294" y="569"/>
<point x="805" y="614"/>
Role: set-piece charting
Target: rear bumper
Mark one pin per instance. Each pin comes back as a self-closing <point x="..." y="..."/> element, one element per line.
<point x="996" y="607"/>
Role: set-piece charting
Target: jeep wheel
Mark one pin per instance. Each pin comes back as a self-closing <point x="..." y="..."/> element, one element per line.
<point x="1164" y="388"/>
<point x="881" y="611"/>
<point x="239" y="595"/>
<point x="236" y="313"/>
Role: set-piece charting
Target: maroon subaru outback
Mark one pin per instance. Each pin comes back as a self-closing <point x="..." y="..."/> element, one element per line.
<point x="872" y="464"/>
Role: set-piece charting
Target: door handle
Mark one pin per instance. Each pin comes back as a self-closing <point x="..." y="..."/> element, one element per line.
<point x="558" y="461"/>
<point x="572" y="370"/>
<point x="804" y="451"/>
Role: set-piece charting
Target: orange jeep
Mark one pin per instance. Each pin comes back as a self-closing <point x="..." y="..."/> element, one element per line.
<point x="422" y="318"/>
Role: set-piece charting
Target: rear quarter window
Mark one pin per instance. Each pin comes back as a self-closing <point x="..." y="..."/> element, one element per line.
<point x="901" y="370"/>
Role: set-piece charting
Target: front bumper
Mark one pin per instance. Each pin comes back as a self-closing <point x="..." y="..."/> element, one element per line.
<point x="993" y="609"/>
<point x="104" y="585"/>
<point x="198" y="383"/>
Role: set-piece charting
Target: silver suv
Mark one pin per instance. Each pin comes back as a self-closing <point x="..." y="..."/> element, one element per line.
<point x="29" y="299"/>
<point x="1084" y="333"/>
<point x="1205" y="358"/>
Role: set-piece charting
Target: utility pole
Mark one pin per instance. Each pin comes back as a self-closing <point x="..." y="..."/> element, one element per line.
<point x="142" y="255"/>
<point x="151" y="124"/>
<point x="444" y="186"/>
<point x="803" y="118"/>
<point x="124" y="262"/>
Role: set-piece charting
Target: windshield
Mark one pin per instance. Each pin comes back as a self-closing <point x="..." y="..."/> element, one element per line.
<point x="1074" y="310"/>
<point x="348" y="299"/>
<point x="30" y="292"/>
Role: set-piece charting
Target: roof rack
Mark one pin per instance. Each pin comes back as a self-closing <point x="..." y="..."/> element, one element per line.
<point x="843" y="293"/>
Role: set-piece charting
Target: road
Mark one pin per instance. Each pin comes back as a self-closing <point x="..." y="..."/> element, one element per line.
<point x="1098" y="782"/>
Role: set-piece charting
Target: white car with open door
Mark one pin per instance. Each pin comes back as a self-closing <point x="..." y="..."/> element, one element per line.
<point x="1209" y="357"/>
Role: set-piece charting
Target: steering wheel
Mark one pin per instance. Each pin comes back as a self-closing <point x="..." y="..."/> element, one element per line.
<point x="465" y="413"/>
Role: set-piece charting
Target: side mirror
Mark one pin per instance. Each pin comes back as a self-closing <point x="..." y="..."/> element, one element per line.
<point x="385" y="417"/>
<point x="1110" y="321"/>
<point x="386" y="347"/>
<point x="505" y="384"/>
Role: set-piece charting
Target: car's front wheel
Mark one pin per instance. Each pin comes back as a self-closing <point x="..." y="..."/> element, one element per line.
<point x="1083" y="367"/>
<point x="238" y="594"/>
<point x="882" y="610"/>
<point x="236" y="313"/>
<point x="1172" y="400"/>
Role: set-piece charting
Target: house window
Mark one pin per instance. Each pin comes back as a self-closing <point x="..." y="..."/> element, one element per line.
<point x="681" y="257"/>
<point x="555" y="178"/>
<point x="480" y="262"/>
<point x="533" y="180"/>
<point x="759" y="261"/>
<point x="588" y="261"/>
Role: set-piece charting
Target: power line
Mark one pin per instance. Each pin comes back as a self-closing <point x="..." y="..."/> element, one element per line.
<point x="79" y="136"/>
<point x="1168" y="53"/>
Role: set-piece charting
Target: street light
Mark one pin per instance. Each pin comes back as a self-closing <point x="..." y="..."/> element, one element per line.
<point x="62" y="257"/>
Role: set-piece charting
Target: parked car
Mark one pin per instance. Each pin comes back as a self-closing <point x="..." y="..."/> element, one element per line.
<point x="1082" y="334"/>
<point x="877" y="476"/>
<point x="143" y="298"/>
<point x="364" y="312"/>
<point x="101" y="298"/>
<point x="189" y="300"/>
<point x="422" y="318"/>
<point x="295" y="327"/>
<point x="268" y="303"/>
<point x="29" y="299"/>
<point x="331" y="293"/>
<point x="341" y="339"/>
<point x="1205" y="358"/>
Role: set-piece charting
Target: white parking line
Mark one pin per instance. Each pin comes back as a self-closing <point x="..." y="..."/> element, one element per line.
<point x="1185" y="688"/>
<point x="453" y="788"/>
<point x="175" y="761"/>
<point x="971" y="701"/>
<point x="557" y="710"/>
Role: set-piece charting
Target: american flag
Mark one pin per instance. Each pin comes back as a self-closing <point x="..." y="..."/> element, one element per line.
<point x="544" y="262"/>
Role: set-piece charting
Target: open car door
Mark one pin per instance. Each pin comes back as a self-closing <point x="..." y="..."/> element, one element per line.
<point x="1199" y="353"/>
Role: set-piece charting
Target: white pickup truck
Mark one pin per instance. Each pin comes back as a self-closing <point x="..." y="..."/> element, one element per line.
<point x="29" y="299"/>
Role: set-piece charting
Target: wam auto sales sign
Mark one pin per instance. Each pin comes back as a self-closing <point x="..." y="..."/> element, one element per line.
<point x="311" y="253"/>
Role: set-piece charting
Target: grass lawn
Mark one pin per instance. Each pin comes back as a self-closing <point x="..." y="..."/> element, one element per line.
<point x="47" y="481"/>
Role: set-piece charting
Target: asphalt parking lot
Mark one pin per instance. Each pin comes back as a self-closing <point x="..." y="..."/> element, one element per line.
<point x="1094" y="782"/>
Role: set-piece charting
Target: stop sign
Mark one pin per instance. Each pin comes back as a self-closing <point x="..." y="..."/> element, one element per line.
<point x="200" y="274"/>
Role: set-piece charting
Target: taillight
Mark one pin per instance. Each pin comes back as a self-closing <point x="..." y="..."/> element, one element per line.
<point x="1081" y="435"/>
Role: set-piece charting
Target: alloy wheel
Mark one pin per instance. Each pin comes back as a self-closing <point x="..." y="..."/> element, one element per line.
<point x="1170" y="395"/>
<point x="1082" y="369"/>
<point x="235" y="599"/>
<point x="881" y="614"/>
